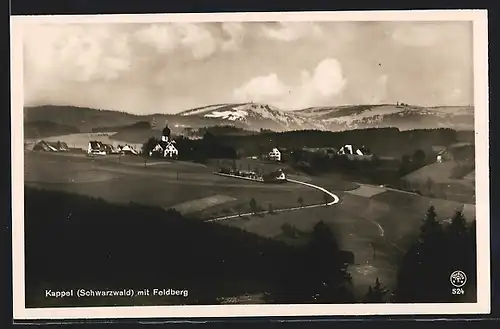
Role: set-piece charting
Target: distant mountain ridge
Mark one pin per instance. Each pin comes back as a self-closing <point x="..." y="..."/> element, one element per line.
<point x="256" y="116"/>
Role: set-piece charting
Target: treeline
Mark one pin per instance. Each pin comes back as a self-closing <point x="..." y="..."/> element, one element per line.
<point x="388" y="142"/>
<point x="374" y="170"/>
<point x="40" y="129"/>
<point x="217" y="130"/>
<point x="383" y="142"/>
<point x="199" y="150"/>
<point x="136" y="125"/>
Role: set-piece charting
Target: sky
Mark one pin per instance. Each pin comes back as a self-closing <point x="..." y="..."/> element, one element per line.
<point x="171" y="67"/>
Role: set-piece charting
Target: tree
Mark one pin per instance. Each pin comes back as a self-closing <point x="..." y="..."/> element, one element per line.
<point x="458" y="225"/>
<point x="149" y="145"/>
<point x="253" y="205"/>
<point x="300" y="200"/>
<point x="418" y="159"/>
<point x="376" y="293"/>
<point x="330" y="281"/>
<point x="316" y="273"/>
<point x="425" y="269"/>
<point x="431" y="230"/>
<point x="429" y="184"/>
<point x="289" y="230"/>
<point x="405" y="166"/>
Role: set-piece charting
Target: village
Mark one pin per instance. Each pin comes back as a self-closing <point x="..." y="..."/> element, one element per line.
<point x="165" y="148"/>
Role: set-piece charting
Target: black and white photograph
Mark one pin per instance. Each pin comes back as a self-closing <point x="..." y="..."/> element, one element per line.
<point x="263" y="164"/>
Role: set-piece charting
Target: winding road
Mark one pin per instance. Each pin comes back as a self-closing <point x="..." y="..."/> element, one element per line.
<point x="331" y="203"/>
<point x="335" y="200"/>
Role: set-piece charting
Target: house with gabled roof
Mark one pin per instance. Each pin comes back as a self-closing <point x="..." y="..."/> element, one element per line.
<point x="51" y="146"/>
<point x="275" y="154"/>
<point x="355" y="153"/>
<point x="96" y="148"/>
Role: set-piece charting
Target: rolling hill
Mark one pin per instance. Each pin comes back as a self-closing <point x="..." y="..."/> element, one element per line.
<point x="256" y="116"/>
<point x="389" y="115"/>
<point x="341" y="117"/>
<point x="43" y="128"/>
<point x="260" y="116"/>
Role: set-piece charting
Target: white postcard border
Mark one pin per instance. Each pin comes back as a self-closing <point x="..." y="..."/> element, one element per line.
<point x="480" y="41"/>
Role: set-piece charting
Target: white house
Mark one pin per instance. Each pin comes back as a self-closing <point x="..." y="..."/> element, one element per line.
<point x="346" y="149"/>
<point x="275" y="154"/>
<point x="170" y="151"/>
<point x="275" y="177"/>
<point x="96" y="148"/>
<point x="127" y="149"/>
<point x="355" y="153"/>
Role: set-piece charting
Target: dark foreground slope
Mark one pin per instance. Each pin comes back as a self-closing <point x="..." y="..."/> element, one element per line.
<point x="75" y="242"/>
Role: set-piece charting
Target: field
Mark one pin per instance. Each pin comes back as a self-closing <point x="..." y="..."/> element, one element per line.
<point x="374" y="223"/>
<point x="450" y="180"/>
<point x="252" y="164"/>
<point x="377" y="228"/>
<point x="192" y="188"/>
<point x="357" y="231"/>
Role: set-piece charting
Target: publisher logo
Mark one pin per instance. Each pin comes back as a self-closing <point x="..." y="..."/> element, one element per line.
<point x="458" y="279"/>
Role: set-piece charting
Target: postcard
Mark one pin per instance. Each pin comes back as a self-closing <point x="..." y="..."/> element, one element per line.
<point x="250" y="165"/>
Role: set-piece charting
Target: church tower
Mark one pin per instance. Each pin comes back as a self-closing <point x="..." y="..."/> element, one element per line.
<point x="165" y="136"/>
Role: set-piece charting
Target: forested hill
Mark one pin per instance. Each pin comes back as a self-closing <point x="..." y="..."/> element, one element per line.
<point x="383" y="142"/>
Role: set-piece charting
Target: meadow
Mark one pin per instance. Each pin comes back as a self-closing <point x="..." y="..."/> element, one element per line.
<point x="160" y="183"/>
<point x="377" y="228"/>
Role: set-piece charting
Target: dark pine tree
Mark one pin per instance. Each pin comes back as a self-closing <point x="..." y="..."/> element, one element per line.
<point x="424" y="272"/>
<point x="149" y="145"/>
<point x="253" y="205"/>
<point x="319" y="276"/>
<point x="377" y="293"/>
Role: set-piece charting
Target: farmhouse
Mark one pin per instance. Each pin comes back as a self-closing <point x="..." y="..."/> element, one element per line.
<point x="96" y="148"/>
<point x="165" y="147"/>
<point x="275" y="154"/>
<point x="51" y="146"/>
<point x="127" y="149"/>
<point x="277" y="176"/>
<point x="460" y="152"/>
<point x="355" y="153"/>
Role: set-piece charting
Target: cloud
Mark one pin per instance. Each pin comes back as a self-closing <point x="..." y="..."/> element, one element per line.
<point x="74" y="54"/>
<point x="291" y="31"/>
<point x="261" y="89"/>
<point x="327" y="78"/>
<point x="168" y="37"/>
<point x="325" y="81"/>
<point x="198" y="39"/>
<point x="162" y="37"/>
<point x="299" y="64"/>
<point x="236" y="32"/>
<point x="378" y="91"/>
<point x="417" y="36"/>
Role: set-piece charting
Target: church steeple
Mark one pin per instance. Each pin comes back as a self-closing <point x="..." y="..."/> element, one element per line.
<point x="165" y="136"/>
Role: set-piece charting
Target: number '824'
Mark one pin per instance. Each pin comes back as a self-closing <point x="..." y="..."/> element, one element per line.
<point x="457" y="291"/>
